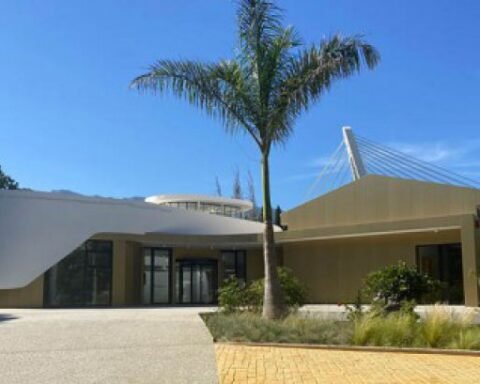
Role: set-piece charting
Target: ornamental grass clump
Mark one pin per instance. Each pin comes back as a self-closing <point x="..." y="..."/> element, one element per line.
<point x="468" y="338"/>
<point x="443" y="328"/>
<point x="393" y="330"/>
<point x="440" y="328"/>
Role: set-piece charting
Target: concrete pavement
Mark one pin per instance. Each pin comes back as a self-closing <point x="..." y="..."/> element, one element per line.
<point x="124" y="345"/>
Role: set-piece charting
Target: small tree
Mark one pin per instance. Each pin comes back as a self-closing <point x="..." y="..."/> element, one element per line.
<point x="237" y="192"/>
<point x="218" y="187"/>
<point x="254" y="214"/>
<point x="397" y="284"/>
<point x="6" y="182"/>
<point x="278" y="217"/>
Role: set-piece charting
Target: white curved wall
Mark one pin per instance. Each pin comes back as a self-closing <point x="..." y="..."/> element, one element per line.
<point x="39" y="229"/>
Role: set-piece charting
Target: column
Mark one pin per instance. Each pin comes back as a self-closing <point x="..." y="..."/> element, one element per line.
<point x="470" y="261"/>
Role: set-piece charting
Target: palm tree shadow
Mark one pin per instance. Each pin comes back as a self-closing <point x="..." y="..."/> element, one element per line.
<point x="6" y="317"/>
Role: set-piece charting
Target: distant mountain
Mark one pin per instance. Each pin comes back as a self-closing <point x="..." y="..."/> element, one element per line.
<point x="72" y="193"/>
<point x="66" y="192"/>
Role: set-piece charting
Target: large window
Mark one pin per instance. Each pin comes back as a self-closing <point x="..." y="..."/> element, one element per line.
<point x="83" y="278"/>
<point x="212" y="208"/>
<point x="443" y="262"/>
<point x="234" y="265"/>
<point x="232" y="211"/>
<point x="156" y="275"/>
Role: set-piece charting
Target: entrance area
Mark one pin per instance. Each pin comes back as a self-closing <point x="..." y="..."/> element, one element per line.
<point x="196" y="281"/>
<point x="444" y="263"/>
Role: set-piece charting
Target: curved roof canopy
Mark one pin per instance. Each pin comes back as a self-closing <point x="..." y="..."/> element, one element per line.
<point x="39" y="229"/>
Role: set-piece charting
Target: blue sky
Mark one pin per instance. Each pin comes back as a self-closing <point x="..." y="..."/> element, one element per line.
<point x="69" y="121"/>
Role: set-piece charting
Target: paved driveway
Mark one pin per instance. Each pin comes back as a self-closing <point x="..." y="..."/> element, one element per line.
<point x="239" y="364"/>
<point x="131" y="345"/>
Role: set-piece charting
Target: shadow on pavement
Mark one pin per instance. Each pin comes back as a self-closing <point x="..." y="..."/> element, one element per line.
<point x="6" y="317"/>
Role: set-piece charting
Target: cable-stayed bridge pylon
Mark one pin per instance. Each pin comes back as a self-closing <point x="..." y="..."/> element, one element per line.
<point x="357" y="157"/>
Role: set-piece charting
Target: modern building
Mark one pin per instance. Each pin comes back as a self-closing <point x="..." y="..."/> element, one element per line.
<point x="58" y="250"/>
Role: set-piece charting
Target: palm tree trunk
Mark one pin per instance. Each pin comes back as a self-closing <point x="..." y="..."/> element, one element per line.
<point x="273" y="303"/>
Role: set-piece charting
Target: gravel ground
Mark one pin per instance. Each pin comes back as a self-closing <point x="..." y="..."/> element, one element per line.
<point x="127" y="345"/>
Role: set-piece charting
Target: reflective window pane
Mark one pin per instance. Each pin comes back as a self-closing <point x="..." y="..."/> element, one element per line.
<point x="156" y="287"/>
<point x="147" y="287"/>
<point x="196" y="281"/>
<point x="186" y="284"/>
<point x="443" y="262"/>
<point x="241" y="265"/>
<point x="83" y="278"/>
<point x="207" y="284"/>
<point x="229" y="269"/>
<point x="234" y="265"/>
<point x="191" y="206"/>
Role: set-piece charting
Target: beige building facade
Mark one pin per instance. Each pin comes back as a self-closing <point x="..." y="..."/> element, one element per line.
<point x="330" y="243"/>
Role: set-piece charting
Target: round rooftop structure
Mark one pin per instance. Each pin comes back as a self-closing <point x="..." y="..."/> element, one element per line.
<point x="217" y="205"/>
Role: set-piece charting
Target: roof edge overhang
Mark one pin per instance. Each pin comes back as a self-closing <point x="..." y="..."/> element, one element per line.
<point x="430" y="224"/>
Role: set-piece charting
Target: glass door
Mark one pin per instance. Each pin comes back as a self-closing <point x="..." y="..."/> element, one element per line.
<point x="156" y="275"/>
<point x="196" y="281"/>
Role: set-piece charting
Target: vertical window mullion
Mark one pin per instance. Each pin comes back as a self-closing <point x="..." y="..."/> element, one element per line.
<point x="152" y="279"/>
<point x="85" y="273"/>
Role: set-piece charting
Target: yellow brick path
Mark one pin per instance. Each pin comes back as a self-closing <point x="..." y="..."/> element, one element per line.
<point x="245" y="364"/>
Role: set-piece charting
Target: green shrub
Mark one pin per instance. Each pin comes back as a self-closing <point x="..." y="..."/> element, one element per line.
<point x="234" y="297"/>
<point x="294" y="292"/>
<point x="398" y="283"/>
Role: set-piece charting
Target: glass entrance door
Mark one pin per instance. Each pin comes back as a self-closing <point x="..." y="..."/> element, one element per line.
<point x="196" y="281"/>
<point x="156" y="276"/>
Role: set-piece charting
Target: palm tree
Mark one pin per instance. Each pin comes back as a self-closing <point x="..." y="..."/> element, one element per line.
<point x="261" y="91"/>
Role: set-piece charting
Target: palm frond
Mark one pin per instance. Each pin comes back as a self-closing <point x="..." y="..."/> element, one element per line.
<point x="267" y="86"/>
<point x="258" y="23"/>
<point x="313" y="71"/>
<point x="218" y="89"/>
